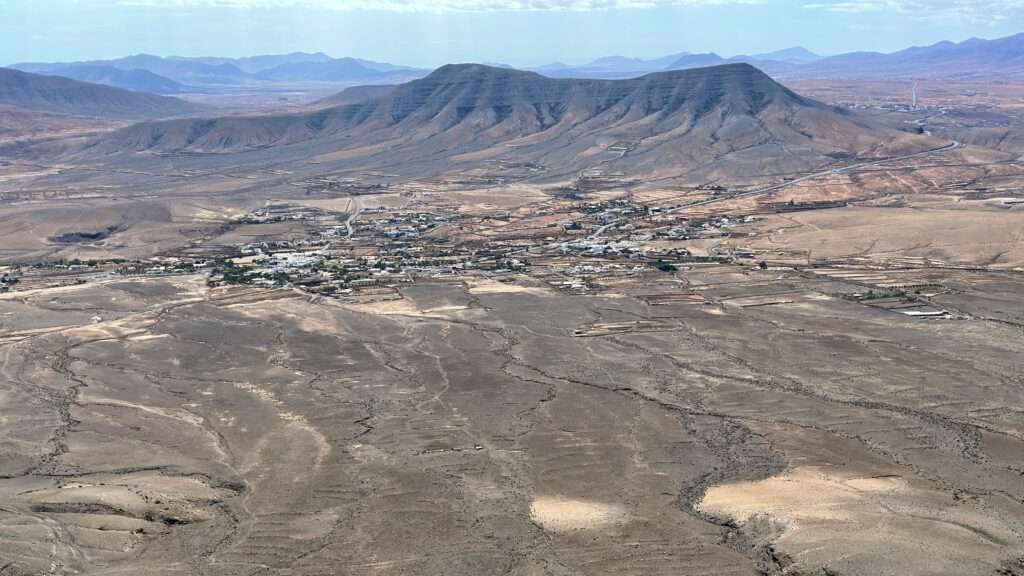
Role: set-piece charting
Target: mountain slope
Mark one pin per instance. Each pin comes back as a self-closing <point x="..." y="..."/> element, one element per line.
<point x="185" y="71"/>
<point x="136" y="80"/>
<point x="66" y="96"/>
<point x="354" y="95"/>
<point x="732" y="119"/>
<point x="21" y="124"/>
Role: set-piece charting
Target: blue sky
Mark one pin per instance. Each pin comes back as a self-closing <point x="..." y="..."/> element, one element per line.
<point x="517" y="32"/>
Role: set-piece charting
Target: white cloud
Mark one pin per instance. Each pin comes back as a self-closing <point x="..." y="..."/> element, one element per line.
<point x="970" y="11"/>
<point x="438" y="5"/>
<point x="859" y="6"/>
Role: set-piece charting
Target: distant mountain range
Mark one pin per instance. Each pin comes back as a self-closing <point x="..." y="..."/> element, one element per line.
<point x="794" y="55"/>
<point x="719" y="122"/>
<point x="178" y="71"/>
<point x="978" y="59"/>
<point x="136" y="79"/>
<point x="254" y="64"/>
<point x="972" y="59"/>
<point x="337" y="70"/>
<point x="62" y="95"/>
<point x="174" y="75"/>
<point x="612" y="67"/>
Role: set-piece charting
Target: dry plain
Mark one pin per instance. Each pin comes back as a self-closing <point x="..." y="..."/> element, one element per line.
<point x="223" y="366"/>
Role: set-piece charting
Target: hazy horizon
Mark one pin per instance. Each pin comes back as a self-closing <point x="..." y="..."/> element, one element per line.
<point x="515" y="32"/>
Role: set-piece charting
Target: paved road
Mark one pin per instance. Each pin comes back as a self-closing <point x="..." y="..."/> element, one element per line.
<point x="601" y="230"/>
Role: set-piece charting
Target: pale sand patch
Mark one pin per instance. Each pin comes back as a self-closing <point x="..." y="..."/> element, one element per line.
<point x="292" y="420"/>
<point x="800" y="494"/>
<point x="368" y="454"/>
<point x="120" y="329"/>
<point x="192" y="285"/>
<point x="881" y="524"/>
<point x="402" y="307"/>
<point x="990" y="237"/>
<point x="86" y="398"/>
<point x="308" y="317"/>
<point x="137" y="496"/>
<point x="353" y="152"/>
<point x="344" y="204"/>
<point x="148" y="337"/>
<point x="442" y="311"/>
<point x="557" y="514"/>
<point x="312" y="526"/>
<point x="508" y="197"/>
<point x="348" y="204"/>
<point x="487" y="286"/>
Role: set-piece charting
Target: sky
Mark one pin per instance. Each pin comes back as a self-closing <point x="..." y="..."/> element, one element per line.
<point x="516" y="32"/>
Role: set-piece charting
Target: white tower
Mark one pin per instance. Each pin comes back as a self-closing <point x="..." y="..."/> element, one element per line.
<point x="913" y="103"/>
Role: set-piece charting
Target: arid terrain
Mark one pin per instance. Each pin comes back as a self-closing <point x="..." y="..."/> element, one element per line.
<point x="493" y="323"/>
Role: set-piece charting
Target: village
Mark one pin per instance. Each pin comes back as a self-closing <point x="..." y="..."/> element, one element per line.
<point x="379" y="241"/>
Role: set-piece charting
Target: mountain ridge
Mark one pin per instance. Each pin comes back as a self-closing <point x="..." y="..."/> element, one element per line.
<point x="219" y="71"/>
<point x="971" y="59"/>
<point x="57" y="94"/>
<point x="974" y="58"/>
<point x="731" y="117"/>
<point x="136" y="79"/>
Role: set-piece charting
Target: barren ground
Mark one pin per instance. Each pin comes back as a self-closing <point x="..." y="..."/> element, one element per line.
<point x="231" y="431"/>
<point x="818" y="390"/>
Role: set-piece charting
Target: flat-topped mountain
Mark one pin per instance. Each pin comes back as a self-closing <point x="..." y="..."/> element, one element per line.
<point x="66" y="96"/>
<point x="732" y="115"/>
<point x="456" y="93"/>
